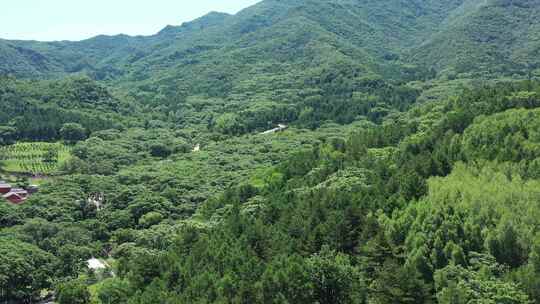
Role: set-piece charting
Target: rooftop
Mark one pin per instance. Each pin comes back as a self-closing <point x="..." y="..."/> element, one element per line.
<point x="95" y="264"/>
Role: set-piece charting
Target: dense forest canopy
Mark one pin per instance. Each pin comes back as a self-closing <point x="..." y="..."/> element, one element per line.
<point x="405" y="167"/>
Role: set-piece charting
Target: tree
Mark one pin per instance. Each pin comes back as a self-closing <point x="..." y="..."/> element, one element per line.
<point x="286" y="280"/>
<point x="25" y="270"/>
<point x="529" y="276"/>
<point x="112" y="291"/>
<point x="229" y="124"/>
<point x="7" y="135"/>
<point x="504" y="245"/>
<point x="50" y="156"/>
<point x="22" y="182"/>
<point x="72" y="292"/>
<point x="395" y="283"/>
<point x="71" y="258"/>
<point x="160" y="150"/>
<point x="73" y="132"/>
<point x="151" y="218"/>
<point x="480" y="283"/>
<point x="335" y="279"/>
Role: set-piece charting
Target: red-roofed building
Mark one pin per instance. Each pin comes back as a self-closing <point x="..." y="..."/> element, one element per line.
<point x="16" y="196"/>
<point x="4" y="188"/>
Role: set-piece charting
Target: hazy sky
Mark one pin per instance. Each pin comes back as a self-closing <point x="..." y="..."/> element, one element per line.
<point x="79" y="19"/>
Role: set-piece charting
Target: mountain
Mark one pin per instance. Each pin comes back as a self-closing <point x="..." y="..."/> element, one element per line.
<point x="405" y="167"/>
<point x="293" y="57"/>
<point x="485" y="37"/>
<point x="377" y="34"/>
<point x="49" y="59"/>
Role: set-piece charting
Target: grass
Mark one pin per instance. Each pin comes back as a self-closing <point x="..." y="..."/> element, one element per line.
<point x="33" y="158"/>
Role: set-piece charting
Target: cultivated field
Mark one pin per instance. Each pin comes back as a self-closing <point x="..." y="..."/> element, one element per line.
<point x="33" y="158"/>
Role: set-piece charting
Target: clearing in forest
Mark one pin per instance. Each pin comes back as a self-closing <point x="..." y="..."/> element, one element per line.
<point x="33" y="158"/>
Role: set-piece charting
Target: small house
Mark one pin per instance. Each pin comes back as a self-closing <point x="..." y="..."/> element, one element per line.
<point x="4" y="188"/>
<point x="95" y="264"/>
<point x="16" y="196"/>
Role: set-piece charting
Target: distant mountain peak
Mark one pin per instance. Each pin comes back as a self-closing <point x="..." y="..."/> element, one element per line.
<point x="211" y="19"/>
<point x="427" y="33"/>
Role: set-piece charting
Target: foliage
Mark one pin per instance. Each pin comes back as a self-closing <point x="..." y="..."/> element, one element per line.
<point x="24" y="270"/>
<point x="72" y="132"/>
<point x="403" y="176"/>
<point x="34" y="158"/>
<point x="480" y="283"/>
<point x="73" y="292"/>
<point x="38" y="110"/>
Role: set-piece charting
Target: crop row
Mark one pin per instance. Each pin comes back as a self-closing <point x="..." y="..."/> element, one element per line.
<point x="42" y="158"/>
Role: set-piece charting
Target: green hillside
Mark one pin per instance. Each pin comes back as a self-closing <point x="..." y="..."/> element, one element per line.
<point x="493" y="38"/>
<point x="485" y="36"/>
<point x="299" y="151"/>
<point x="38" y="110"/>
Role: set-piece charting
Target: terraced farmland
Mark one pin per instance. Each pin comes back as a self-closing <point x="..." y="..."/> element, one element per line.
<point x="33" y="158"/>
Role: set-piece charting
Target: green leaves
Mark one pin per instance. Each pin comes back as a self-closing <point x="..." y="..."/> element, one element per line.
<point x="24" y="270"/>
<point x="507" y="136"/>
<point x="476" y="284"/>
<point x="73" y="132"/>
<point x="334" y="279"/>
<point x="73" y="292"/>
<point x="384" y="200"/>
<point x="38" y="110"/>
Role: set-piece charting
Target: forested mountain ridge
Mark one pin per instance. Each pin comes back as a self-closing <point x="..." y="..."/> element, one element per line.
<point x="491" y="37"/>
<point x="33" y="59"/>
<point x="406" y="167"/>
<point x="391" y="29"/>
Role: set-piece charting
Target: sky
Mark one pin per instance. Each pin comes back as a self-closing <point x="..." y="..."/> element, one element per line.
<point x="50" y="20"/>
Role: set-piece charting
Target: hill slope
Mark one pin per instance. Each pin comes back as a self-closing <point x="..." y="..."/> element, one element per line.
<point x="489" y="37"/>
<point x="374" y="33"/>
<point x="370" y="195"/>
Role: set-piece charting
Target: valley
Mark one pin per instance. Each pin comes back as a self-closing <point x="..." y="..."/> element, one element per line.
<point x="300" y="151"/>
